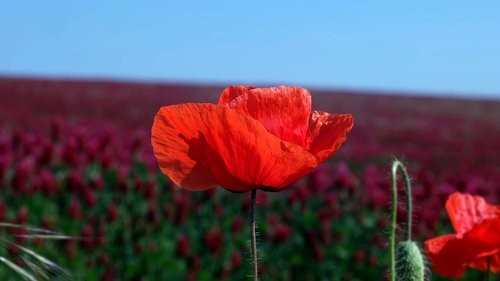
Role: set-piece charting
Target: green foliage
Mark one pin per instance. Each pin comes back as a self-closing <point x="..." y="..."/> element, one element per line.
<point x="343" y="240"/>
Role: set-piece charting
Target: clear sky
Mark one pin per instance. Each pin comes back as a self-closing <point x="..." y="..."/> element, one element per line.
<point x="430" y="46"/>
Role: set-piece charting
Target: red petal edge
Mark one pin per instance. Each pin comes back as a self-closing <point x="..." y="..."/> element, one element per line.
<point x="327" y="132"/>
<point x="233" y="92"/>
<point x="451" y="254"/>
<point x="283" y="111"/>
<point x="466" y="210"/>
<point x="199" y="145"/>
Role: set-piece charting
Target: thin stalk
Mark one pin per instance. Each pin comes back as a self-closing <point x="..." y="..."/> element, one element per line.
<point x="395" y="166"/>
<point x="392" y="238"/>
<point x="487" y="274"/>
<point x="254" y="237"/>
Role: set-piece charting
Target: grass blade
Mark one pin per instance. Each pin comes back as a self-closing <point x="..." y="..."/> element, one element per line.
<point x="22" y="272"/>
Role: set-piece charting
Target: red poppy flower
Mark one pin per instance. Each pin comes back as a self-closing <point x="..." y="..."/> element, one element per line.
<point x="477" y="239"/>
<point x="253" y="138"/>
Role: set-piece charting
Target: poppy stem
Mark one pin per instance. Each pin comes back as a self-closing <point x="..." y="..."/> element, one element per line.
<point x="396" y="165"/>
<point x="254" y="236"/>
<point x="487" y="274"/>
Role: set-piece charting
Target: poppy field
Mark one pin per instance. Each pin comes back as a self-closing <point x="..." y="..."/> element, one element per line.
<point x="76" y="159"/>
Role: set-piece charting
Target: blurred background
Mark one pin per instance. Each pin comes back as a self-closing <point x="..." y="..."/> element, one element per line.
<point x="81" y="82"/>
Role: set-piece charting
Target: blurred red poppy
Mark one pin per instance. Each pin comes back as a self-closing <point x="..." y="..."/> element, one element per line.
<point x="477" y="241"/>
<point x="254" y="138"/>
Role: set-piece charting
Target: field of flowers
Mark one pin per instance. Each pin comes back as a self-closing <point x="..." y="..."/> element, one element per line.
<point x="75" y="157"/>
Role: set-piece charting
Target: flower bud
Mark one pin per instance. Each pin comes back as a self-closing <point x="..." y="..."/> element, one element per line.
<point x="214" y="240"/>
<point x="75" y="209"/>
<point x="46" y="182"/>
<point x="70" y="249"/>
<point x="103" y="259"/>
<point x="97" y="182"/>
<point x="112" y="212"/>
<point x="183" y="245"/>
<point x="75" y="181"/>
<point x="22" y="215"/>
<point x="409" y="262"/>
<point x="89" y="197"/>
<point x="4" y="164"/>
<point x="3" y="211"/>
<point x="237" y="225"/>
<point x="282" y="233"/>
<point x="88" y="237"/>
<point x="235" y="260"/>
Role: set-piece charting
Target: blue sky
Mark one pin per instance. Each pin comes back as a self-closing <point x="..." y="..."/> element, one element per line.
<point x="447" y="47"/>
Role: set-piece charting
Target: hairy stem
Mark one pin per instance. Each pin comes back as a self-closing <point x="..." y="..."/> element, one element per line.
<point x="254" y="236"/>
<point x="392" y="239"/>
<point x="395" y="166"/>
<point x="487" y="274"/>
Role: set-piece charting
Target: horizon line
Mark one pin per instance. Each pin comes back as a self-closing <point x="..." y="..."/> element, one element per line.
<point x="211" y="83"/>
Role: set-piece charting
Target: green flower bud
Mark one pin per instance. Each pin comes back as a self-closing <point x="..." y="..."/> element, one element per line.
<point x="410" y="264"/>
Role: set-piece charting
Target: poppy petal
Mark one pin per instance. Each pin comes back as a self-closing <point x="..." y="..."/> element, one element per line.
<point x="451" y="254"/>
<point x="171" y="127"/>
<point x="482" y="262"/>
<point x="235" y="149"/>
<point x="232" y="92"/>
<point x="442" y="262"/>
<point x="327" y="132"/>
<point x="283" y="111"/>
<point x="495" y="262"/>
<point x="466" y="210"/>
<point x="487" y="237"/>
